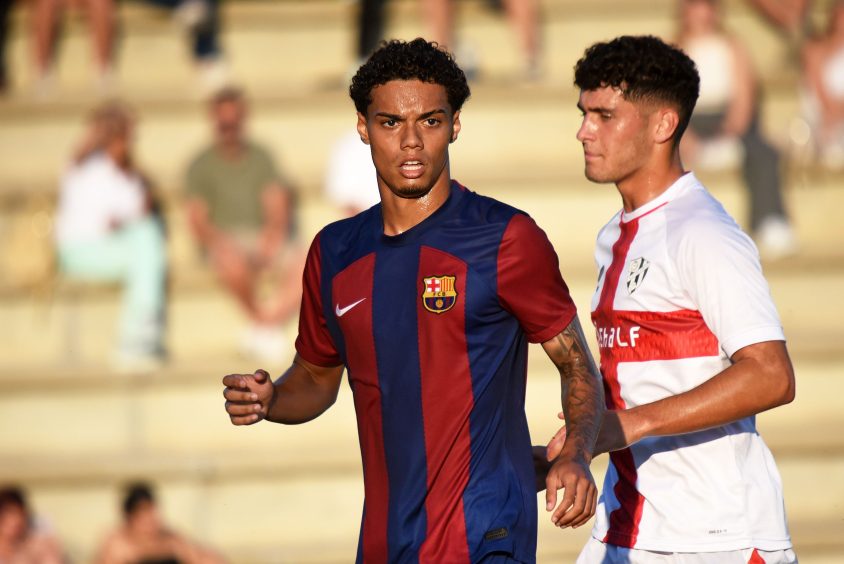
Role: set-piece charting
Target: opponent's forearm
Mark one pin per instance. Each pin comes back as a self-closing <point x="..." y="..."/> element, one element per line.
<point x="754" y="383"/>
<point x="301" y="395"/>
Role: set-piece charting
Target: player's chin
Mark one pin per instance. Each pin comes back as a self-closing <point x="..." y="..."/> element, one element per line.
<point x="598" y="176"/>
<point x="412" y="191"/>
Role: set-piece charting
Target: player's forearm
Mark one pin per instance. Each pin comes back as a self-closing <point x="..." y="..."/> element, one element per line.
<point x="300" y="395"/>
<point x="582" y="395"/>
<point x="759" y="379"/>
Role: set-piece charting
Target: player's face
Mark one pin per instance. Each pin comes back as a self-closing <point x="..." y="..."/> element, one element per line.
<point x="614" y="134"/>
<point x="408" y="126"/>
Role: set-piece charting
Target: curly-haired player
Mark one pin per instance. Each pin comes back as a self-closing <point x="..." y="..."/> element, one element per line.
<point x="691" y="344"/>
<point x="429" y="300"/>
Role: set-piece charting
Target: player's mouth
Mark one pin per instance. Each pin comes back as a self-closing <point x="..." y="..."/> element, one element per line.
<point x="411" y="169"/>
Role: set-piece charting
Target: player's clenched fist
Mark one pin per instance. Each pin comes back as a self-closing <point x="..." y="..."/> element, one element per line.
<point x="248" y="396"/>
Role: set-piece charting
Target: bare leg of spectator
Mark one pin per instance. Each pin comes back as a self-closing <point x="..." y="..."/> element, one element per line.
<point x="439" y="15"/>
<point x="101" y="18"/>
<point x="524" y="17"/>
<point x="370" y="26"/>
<point x="233" y="268"/>
<point x="45" y="14"/>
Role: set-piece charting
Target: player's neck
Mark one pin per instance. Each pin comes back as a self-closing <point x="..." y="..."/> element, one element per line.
<point x="401" y="214"/>
<point x="649" y="183"/>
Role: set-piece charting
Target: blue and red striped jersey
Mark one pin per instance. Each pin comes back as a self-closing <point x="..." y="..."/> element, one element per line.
<point x="433" y="326"/>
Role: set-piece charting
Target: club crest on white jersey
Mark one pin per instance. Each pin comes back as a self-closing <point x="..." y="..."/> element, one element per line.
<point x="636" y="273"/>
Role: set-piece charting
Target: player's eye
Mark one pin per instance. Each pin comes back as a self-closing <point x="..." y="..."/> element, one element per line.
<point x="606" y="116"/>
<point x="432" y="122"/>
<point x="389" y="123"/>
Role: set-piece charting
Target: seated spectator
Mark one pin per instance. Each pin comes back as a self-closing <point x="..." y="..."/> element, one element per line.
<point x="45" y="23"/>
<point x="22" y="539"/>
<point x="201" y="19"/>
<point x="241" y="212"/>
<point x="823" y="62"/>
<point x="727" y="117"/>
<point x="350" y="180"/>
<point x="107" y="229"/>
<point x="144" y="538"/>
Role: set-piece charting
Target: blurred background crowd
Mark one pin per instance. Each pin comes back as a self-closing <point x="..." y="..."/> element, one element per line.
<point x="164" y="165"/>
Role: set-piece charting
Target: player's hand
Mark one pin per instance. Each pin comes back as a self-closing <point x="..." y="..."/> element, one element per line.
<point x="619" y="430"/>
<point x="580" y="495"/>
<point x="248" y="397"/>
<point x="555" y="445"/>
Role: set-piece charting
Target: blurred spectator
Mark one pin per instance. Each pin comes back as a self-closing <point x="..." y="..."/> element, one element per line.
<point x="145" y="538"/>
<point x="22" y="539"/>
<point x="823" y="61"/>
<point x="243" y="216"/>
<point x="350" y="181"/>
<point x="5" y="12"/>
<point x="45" y="22"/>
<point x="789" y="16"/>
<point x="201" y="19"/>
<point x="523" y="16"/>
<point x="370" y="27"/>
<point x="107" y="230"/>
<point x="726" y="118"/>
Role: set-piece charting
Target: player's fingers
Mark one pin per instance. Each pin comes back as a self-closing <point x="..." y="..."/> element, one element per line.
<point x="234" y="381"/>
<point x="570" y="485"/>
<point x="261" y="375"/>
<point x="575" y="512"/>
<point x="589" y="509"/>
<point x="238" y="408"/>
<point x="238" y="394"/>
<point x="551" y="486"/>
<point x="561" y="416"/>
<point x="244" y="419"/>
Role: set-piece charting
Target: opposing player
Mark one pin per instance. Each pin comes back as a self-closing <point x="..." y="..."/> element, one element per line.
<point x="429" y="300"/>
<point x="691" y="344"/>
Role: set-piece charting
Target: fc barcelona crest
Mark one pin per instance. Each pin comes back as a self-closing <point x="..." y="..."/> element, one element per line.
<point x="636" y="274"/>
<point x="439" y="294"/>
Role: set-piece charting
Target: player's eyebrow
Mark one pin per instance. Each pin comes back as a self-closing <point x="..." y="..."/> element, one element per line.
<point x="595" y="109"/>
<point x="397" y="117"/>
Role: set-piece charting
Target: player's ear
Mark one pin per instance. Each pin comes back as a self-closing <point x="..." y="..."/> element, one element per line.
<point x="455" y="126"/>
<point x="667" y="120"/>
<point x="362" y="130"/>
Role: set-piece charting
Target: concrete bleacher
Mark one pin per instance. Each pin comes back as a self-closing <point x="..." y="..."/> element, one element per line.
<point x="74" y="433"/>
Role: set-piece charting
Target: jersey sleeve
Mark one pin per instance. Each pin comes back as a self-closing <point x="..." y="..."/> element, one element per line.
<point x="719" y="268"/>
<point x="530" y="285"/>
<point x="314" y="342"/>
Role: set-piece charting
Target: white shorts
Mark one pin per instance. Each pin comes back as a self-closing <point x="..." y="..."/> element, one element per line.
<point x="597" y="552"/>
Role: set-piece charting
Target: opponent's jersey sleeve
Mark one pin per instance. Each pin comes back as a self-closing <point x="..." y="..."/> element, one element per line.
<point x="719" y="268"/>
<point x="530" y="285"/>
<point x="314" y="342"/>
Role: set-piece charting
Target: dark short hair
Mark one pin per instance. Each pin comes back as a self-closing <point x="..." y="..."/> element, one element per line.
<point x="136" y="494"/>
<point x="12" y="496"/>
<point x="644" y="68"/>
<point x="409" y="60"/>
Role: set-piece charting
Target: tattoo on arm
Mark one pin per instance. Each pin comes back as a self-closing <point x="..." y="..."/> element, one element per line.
<point x="582" y="392"/>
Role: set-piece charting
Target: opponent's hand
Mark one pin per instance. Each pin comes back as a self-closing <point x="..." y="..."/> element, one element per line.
<point x="580" y="497"/>
<point x="248" y="397"/>
<point x="555" y="445"/>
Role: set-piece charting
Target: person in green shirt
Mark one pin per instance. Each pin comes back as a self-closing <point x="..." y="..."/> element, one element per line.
<point x="241" y="212"/>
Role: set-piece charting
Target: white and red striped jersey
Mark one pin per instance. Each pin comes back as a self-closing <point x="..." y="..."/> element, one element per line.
<point x="680" y="290"/>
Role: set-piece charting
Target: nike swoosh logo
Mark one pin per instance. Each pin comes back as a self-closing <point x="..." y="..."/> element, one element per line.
<point x="341" y="311"/>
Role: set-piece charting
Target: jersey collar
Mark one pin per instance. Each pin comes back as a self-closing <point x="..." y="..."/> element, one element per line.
<point x="680" y="186"/>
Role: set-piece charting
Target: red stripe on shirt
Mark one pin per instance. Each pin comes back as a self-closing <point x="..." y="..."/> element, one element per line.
<point x="354" y="283"/>
<point x="447" y="401"/>
<point x="755" y="558"/>
<point x="624" y="521"/>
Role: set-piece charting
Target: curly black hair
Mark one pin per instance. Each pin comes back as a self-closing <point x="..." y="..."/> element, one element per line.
<point x="643" y="68"/>
<point x="409" y="60"/>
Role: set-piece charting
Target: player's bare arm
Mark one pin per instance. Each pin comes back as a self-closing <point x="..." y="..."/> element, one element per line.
<point x="760" y="378"/>
<point x="302" y="393"/>
<point x="583" y="406"/>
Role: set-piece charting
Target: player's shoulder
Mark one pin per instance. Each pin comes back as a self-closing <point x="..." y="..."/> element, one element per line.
<point x="479" y="208"/>
<point x="341" y="235"/>
<point x="697" y="220"/>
